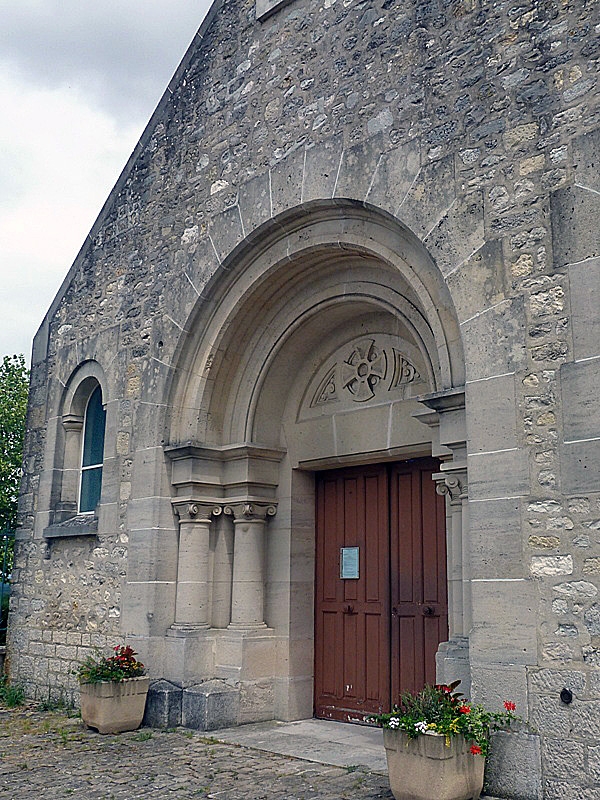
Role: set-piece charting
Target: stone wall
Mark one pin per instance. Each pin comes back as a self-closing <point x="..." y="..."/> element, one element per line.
<point x="476" y="125"/>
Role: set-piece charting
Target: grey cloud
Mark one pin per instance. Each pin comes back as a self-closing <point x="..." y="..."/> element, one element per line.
<point x="118" y="52"/>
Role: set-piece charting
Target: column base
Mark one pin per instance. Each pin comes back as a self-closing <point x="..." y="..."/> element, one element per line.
<point x="181" y="630"/>
<point x="247" y="626"/>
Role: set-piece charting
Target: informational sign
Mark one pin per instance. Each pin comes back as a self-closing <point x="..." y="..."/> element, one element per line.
<point x="349" y="563"/>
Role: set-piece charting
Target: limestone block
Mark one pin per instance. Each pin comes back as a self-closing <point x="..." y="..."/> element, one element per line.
<point x="459" y="234"/>
<point x="362" y="431"/>
<point x="257" y="701"/>
<point x="494" y="340"/>
<point x="255" y="202"/>
<point x="586" y="155"/>
<point x="210" y="705"/>
<point x="550" y="717"/>
<point x="580" y="466"/>
<point x="148" y="608"/>
<point x="580" y="390"/>
<point x="479" y="282"/>
<point x="575" y="233"/>
<point x="357" y="168"/>
<point x="144" y="513"/>
<point x="584" y="283"/>
<point x="321" y="166"/>
<point x="293" y="698"/>
<point x="504" y="622"/>
<point x="149" y="474"/>
<point x="163" y="705"/>
<point x="513" y="767"/>
<point x="492" y="685"/>
<point x="563" y="759"/>
<point x="422" y="209"/>
<point x="286" y="182"/>
<point x="188" y="657"/>
<point x="496" y="541"/>
<point x="395" y="173"/>
<point x="225" y="231"/>
<point x="152" y="555"/>
<point x="552" y="681"/>
<point x="491" y="418"/>
<point x="498" y="475"/>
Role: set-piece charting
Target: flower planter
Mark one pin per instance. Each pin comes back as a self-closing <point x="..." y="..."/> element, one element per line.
<point x="424" y="768"/>
<point x="114" y="706"/>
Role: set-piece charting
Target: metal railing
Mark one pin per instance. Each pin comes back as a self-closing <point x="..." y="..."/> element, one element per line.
<point x="7" y="543"/>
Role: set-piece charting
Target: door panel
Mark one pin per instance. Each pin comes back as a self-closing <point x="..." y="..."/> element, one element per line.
<point x="352" y="619"/>
<point x="376" y="635"/>
<point x="418" y="575"/>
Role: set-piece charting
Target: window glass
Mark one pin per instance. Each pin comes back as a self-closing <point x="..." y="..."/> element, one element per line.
<point x="93" y="453"/>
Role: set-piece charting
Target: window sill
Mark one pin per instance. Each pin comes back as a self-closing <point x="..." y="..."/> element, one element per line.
<point x="79" y="525"/>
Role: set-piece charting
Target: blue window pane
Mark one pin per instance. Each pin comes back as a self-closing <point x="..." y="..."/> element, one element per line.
<point x="91" y="484"/>
<point x="93" y="440"/>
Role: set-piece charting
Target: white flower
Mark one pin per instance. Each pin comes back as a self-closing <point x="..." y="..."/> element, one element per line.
<point x="394" y="723"/>
<point x="421" y="727"/>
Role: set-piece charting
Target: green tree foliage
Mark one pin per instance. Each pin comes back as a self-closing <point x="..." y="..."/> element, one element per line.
<point x="14" y="383"/>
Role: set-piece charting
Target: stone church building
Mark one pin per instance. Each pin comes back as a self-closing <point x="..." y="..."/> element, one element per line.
<point x="315" y="415"/>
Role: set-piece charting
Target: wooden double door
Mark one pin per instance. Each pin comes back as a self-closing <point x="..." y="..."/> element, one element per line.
<point x="381" y="591"/>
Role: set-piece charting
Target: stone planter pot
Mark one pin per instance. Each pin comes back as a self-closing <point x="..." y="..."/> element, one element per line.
<point x="114" y="706"/>
<point x="426" y="769"/>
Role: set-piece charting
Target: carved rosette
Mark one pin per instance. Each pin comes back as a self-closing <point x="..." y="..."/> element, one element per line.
<point x="369" y="367"/>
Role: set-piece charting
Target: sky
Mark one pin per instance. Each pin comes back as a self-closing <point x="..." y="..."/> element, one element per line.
<point x="79" y="80"/>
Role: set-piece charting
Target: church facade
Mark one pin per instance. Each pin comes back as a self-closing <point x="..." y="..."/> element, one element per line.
<point x="315" y="417"/>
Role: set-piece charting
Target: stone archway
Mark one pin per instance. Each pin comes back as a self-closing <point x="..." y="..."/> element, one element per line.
<point x="311" y="350"/>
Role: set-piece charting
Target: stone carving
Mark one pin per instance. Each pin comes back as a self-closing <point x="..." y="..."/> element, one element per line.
<point x="364" y="368"/>
<point x="370" y="366"/>
<point x="326" y="392"/>
<point x="404" y="371"/>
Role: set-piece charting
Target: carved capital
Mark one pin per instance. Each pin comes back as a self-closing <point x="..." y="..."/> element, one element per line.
<point x="249" y="512"/>
<point x="451" y="486"/>
<point x="196" y="512"/>
<point x="72" y="422"/>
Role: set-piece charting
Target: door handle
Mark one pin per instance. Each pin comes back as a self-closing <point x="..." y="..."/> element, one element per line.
<point x="428" y="611"/>
<point x="347" y="608"/>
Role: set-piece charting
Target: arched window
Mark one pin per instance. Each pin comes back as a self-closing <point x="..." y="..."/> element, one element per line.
<point x="92" y="453"/>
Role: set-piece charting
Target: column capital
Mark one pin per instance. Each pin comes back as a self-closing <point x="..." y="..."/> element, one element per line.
<point x="72" y="422"/>
<point x="453" y="486"/>
<point x="250" y="511"/>
<point x="191" y="511"/>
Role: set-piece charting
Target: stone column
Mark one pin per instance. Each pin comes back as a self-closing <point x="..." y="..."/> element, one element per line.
<point x="193" y="587"/>
<point x="454" y="487"/>
<point x="69" y="495"/>
<point x="247" y="599"/>
<point x="222" y="572"/>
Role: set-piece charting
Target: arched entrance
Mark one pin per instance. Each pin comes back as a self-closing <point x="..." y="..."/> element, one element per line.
<point x="312" y="353"/>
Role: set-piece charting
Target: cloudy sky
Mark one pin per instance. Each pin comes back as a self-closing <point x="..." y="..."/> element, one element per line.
<point x="79" y="80"/>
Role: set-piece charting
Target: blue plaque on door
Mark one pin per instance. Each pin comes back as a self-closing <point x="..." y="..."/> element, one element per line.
<point x="349" y="563"/>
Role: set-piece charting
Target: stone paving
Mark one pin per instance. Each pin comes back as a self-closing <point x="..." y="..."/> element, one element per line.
<point x="49" y="754"/>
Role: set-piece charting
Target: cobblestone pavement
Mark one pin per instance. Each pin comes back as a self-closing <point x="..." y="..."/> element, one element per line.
<point x="49" y="754"/>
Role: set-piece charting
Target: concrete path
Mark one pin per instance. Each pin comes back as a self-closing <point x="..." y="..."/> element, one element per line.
<point x="321" y="741"/>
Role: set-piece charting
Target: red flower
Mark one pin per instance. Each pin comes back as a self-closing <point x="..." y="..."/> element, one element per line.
<point x="509" y="705"/>
<point x="475" y="749"/>
<point x="464" y="709"/>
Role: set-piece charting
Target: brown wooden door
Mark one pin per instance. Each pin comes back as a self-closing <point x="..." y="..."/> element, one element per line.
<point x="419" y="594"/>
<point x="365" y="655"/>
